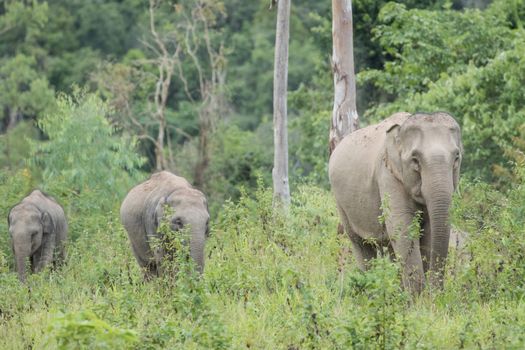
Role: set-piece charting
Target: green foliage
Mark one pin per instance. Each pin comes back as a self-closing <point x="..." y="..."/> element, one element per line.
<point x="495" y="221"/>
<point x="15" y="145"/>
<point x="250" y="60"/>
<point x="21" y="24"/>
<point x="309" y="143"/>
<point x="477" y="78"/>
<point x="270" y="281"/>
<point x="83" y="152"/>
<point x="238" y="159"/>
<point x="415" y="230"/>
<point x="22" y="90"/>
<point x="13" y="186"/>
<point x="379" y="321"/>
<point x="416" y="41"/>
<point x="84" y="330"/>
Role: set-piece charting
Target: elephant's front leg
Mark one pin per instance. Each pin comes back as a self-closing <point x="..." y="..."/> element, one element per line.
<point x="47" y="250"/>
<point x="406" y="247"/>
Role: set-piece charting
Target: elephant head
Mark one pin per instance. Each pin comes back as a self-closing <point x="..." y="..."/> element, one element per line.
<point x="190" y="210"/>
<point x="27" y="225"/>
<point x="424" y="154"/>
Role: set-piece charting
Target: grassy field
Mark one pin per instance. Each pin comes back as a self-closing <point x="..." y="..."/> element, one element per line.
<point x="270" y="283"/>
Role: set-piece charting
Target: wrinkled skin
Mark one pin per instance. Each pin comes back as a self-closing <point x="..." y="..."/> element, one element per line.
<point x="142" y="211"/>
<point x="38" y="230"/>
<point x="410" y="164"/>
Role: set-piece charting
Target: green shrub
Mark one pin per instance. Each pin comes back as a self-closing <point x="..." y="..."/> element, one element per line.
<point x="477" y="78"/>
<point x="238" y="158"/>
<point x="84" y="330"/>
<point x="84" y="155"/>
<point x="15" y="147"/>
<point x="14" y="185"/>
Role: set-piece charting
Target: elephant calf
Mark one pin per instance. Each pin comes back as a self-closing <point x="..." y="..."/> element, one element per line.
<point x="38" y="230"/>
<point x="405" y="165"/>
<point x="142" y="211"/>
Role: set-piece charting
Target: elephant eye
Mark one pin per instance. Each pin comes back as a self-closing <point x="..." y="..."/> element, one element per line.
<point x="456" y="161"/>
<point x="414" y="162"/>
<point x="177" y="224"/>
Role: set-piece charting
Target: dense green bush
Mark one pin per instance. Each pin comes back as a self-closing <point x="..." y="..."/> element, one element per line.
<point x="468" y="63"/>
<point x="83" y="154"/>
<point x="433" y="44"/>
<point x="15" y="145"/>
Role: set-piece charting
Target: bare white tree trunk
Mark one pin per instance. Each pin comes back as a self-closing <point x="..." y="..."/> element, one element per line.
<point x="196" y="34"/>
<point x="166" y="64"/>
<point x="281" y="187"/>
<point x="344" y="117"/>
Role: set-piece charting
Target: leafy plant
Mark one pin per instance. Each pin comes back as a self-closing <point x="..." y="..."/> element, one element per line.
<point x="84" y="330"/>
<point x="84" y="153"/>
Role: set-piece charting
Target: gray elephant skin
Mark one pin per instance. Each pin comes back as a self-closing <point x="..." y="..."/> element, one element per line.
<point x="142" y="211"/>
<point x="406" y="164"/>
<point x="38" y="230"/>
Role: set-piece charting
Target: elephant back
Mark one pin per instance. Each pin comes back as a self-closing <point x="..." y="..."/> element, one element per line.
<point x="368" y="143"/>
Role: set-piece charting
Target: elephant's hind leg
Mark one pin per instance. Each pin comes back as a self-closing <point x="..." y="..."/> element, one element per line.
<point x="150" y="271"/>
<point x="145" y="259"/>
<point x="362" y="251"/>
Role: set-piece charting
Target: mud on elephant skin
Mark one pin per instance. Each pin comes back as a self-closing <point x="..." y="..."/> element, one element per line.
<point x="142" y="211"/>
<point x="38" y="230"/>
<point x="409" y="163"/>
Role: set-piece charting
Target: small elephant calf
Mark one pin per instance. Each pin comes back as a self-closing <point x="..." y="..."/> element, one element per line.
<point x="142" y="211"/>
<point x="38" y="230"/>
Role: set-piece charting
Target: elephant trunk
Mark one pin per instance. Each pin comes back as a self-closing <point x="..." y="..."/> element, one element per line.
<point x="437" y="191"/>
<point x="197" y="246"/>
<point x="22" y="252"/>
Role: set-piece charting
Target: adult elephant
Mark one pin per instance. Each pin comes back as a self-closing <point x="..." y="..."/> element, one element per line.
<point x="38" y="230"/>
<point x="143" y="209"/>
<point x="405" y="165"/>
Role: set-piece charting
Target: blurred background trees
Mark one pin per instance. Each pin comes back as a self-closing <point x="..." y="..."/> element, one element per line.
<point x="193" y="84"/>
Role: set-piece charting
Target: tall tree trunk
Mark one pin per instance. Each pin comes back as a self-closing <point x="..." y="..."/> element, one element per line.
<point x="281" y="187"/>
<point x="205" y="127"/>
<point x="344" y="117"/>
<point x="160" y="162"/>
<point x="14" y="117"/>
<point x="165" y="62"/>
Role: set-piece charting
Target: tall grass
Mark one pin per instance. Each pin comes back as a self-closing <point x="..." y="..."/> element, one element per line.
<point x="270" y="282"/>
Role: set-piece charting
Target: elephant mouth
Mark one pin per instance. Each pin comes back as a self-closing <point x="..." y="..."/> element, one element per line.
<point x="417" y="195"/>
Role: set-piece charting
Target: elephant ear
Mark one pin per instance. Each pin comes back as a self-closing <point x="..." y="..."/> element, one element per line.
<point x="47" y="223"/>
<point x="392" y="157"/>
<point x="455" y="173"/>
<point x="207" y="232"/>
<point x="9" y="218"/>
<point x="153" y="214"/>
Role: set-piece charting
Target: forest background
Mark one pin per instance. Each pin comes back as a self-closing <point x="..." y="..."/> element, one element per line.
<point x="95" y="95"/>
